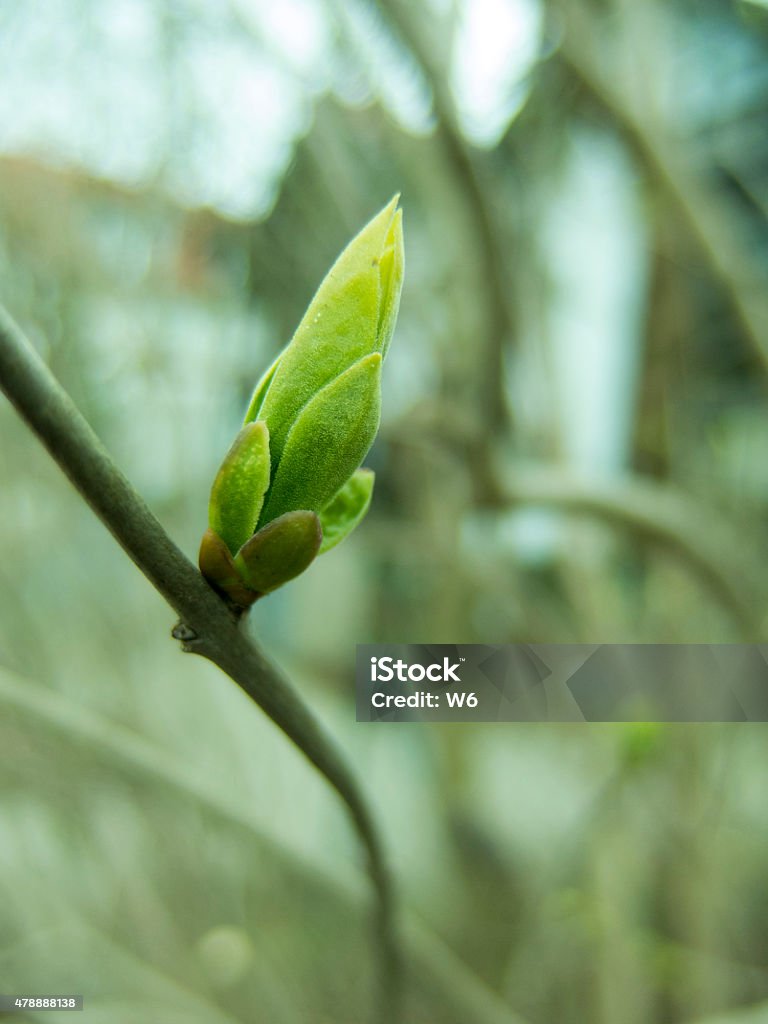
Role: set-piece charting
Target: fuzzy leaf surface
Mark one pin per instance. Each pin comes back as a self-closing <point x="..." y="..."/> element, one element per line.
<point x="240" y="485"/>
<point x="328" y="441"/>
<point x="343" y="324"/>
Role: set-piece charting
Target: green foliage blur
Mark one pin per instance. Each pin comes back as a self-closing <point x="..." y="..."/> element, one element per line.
<point x="573" y="448"/>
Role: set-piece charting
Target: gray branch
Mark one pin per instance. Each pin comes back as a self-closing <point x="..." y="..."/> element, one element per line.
<point x="208" y="627"/>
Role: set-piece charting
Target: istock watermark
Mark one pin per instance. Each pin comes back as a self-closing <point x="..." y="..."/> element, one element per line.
<point x="562" y="682"/>
<point x="384" y="670"/>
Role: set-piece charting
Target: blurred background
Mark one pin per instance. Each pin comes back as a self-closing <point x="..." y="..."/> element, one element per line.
<point x="573" y="449"/>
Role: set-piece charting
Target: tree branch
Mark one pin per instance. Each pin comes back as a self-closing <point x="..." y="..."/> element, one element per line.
<point x="658" y="514"/>
<point x="207" y="626"/>
<point x="472" y="191"/>
<point x="701" y="209"/>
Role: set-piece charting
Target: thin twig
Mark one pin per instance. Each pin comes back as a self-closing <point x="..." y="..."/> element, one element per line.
<point x="207" y="626"/>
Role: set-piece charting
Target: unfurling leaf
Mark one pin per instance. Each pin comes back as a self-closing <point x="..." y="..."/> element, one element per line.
<point x="342" y="514"/>
<point x="260" y="391"/>
<point x="391" y="270"/>
<point x="328" y="441"/>
<point x="240" y="485"/>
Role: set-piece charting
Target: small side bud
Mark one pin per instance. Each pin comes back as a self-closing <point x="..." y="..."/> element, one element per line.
<point x="218" y="567"/>
<point x="279" y="551"/>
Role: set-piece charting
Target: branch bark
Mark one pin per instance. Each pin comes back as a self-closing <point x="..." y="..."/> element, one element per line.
<point x="207" y="625"/>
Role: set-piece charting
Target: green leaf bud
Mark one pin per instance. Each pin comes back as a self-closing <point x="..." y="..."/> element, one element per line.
<point x="342" y="514"/>
<point x="279" y="551"/>
<point x="290" y="485"/>
<point x="328" y="441"/>
<point x="352" y="315"/>
<point x="240" y="485"/>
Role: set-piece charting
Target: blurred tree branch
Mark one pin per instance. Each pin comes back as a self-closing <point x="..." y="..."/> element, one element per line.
<point x="698" y="204"/>
<point x="208" y="627"/>
<point x="474" y="193"/>
<point x="657" y="512"/>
